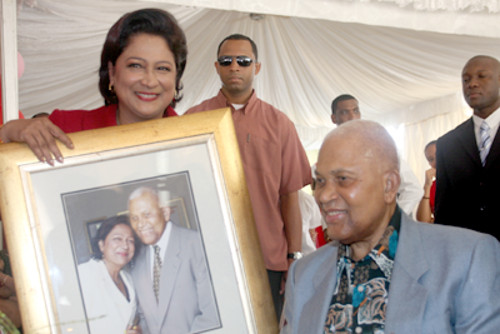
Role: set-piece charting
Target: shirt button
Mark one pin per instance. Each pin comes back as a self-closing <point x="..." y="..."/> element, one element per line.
<point x="358" y="330"/>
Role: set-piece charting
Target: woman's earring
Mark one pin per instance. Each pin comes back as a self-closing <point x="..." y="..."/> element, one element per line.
<point x="111" y="88"/>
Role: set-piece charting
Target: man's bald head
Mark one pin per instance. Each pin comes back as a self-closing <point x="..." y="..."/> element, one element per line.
<point x="368" y="137"/>
<point x="486" y="58"/>
<point x="357" y="180"/>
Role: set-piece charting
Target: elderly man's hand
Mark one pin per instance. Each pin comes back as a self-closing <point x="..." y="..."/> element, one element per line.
<point x="39" y="134"/>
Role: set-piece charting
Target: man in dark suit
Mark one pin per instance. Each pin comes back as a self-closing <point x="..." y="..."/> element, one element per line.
<point x="170" y="276"/>
<point x="468" y="157"/>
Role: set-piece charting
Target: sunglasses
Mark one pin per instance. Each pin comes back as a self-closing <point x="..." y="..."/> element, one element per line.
<point x="243" y="61"/>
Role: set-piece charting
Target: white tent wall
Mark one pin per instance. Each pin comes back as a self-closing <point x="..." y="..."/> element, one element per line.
<point x="401" y="59"/>
<point x="419" y="134"/>
<point x="446" y="16"/>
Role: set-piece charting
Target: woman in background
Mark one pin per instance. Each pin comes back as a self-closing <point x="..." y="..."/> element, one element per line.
<point x="107" y="289"/>
<point x="10" y="315"/>
<point x="425" y="210"/>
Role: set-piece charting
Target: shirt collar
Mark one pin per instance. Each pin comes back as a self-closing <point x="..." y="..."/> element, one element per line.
<point x="493" y="119"/>
<point x="163" y="242"/>
<point x="389" y="240"/>
<point x="221" y="99"/>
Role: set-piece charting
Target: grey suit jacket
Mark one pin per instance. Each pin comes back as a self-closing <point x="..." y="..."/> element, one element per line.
<point x="186" y="302"/>
<point x="445" y="280"/>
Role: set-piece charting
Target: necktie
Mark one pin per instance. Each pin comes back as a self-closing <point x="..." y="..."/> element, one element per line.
<point x="156" y="272"/>
<point x="484" y="148"/>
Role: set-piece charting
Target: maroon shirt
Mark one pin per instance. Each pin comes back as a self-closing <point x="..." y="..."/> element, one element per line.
<point x="275" y="164"/>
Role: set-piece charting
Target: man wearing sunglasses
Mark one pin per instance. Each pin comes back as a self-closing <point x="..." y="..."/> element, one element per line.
<point x="274" y="161"/>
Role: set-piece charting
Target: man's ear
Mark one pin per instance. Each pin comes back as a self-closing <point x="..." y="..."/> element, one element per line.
<point x="216" y="64"/>
<point x="257" y="68"/>
<point x="334" y="120"/>
<point x="392" y="180"/>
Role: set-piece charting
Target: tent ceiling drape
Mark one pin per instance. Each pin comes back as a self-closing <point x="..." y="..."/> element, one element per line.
<point x="401" y="58"/>
<point x="469" y="17"/>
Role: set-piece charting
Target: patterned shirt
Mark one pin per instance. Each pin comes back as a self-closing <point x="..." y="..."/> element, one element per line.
<point x="360" y="298"/>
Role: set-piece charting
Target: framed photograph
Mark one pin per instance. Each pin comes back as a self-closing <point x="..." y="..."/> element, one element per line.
<point x="173" y="192"/>
<point x="53" y="217"/>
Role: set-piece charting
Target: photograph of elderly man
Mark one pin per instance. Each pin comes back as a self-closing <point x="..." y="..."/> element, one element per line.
<point x="171" y="277"/>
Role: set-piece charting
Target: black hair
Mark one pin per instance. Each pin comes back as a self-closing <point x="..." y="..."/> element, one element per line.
<point x="105" y="228"/>
<point x="240" y="37"/>
<point x="340" y="98"/>
<point x="432" y="142"/>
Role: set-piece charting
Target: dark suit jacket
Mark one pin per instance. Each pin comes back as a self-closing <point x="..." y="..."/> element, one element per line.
<point x="186" y="301"/>
<point x="444" y="280"/>
<point x="467" y="194"/>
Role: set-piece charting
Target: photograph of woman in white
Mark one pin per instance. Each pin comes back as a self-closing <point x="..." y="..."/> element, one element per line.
<point x="107" y="288"/>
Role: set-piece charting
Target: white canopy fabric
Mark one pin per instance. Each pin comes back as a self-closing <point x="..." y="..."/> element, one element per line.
<point x="402" y="59"/>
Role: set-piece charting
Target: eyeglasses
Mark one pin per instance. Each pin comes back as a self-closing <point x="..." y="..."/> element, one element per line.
<point x="243" y="61"/>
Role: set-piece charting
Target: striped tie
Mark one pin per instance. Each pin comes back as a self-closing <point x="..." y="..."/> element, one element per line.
<point x="156" y="272"/>
<point x="484" y="133"/>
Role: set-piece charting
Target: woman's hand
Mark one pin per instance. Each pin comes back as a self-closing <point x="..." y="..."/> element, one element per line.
<point x="39" y="134"/>
<point x="430" y="175"/>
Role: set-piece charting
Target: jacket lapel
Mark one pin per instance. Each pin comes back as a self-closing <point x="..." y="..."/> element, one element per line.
<point x="313" y="318"/>
<point x="494" y="153"/>
<point x="467" y="139"/>
<point x="407" y="297"/>
<point x="169" y="271"/>
<point x="141" y="274"/>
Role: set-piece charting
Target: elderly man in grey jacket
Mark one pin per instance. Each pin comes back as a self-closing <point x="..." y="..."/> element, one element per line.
<point x="384" y="272"/>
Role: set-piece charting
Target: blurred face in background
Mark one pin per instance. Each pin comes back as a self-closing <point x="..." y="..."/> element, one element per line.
<point x="430" y="155"/>
<point x="346" y="110"/>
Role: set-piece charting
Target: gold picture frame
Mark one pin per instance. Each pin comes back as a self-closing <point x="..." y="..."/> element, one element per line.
<point x="203" y="146"/>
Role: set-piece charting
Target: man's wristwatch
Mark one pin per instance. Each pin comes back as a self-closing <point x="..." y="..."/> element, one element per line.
<point x="295" y="255"/>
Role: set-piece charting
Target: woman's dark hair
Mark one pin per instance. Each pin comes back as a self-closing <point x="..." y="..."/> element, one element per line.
<point x="151" y="21"/>
<point x="105" y="228"/>
<point x="432" y="142"/>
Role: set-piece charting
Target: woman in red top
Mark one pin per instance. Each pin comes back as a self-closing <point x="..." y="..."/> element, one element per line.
<point x="142" y="62"/>
<point x="425" y="210"/>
